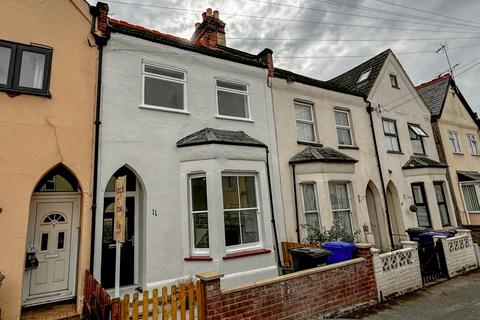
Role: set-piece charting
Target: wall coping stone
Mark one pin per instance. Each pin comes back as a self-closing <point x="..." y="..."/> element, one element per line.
<point x="363" y="245"/>
<point x="210" y="275"/>
<point x="294" y="275"/>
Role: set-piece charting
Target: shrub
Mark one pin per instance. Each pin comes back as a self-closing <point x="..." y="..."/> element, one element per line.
<point x="335" y="233"/>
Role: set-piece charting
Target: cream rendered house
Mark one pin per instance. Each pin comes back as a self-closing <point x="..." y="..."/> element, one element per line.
<point x="414" y="180"/>
<point x="327" y="159"/>
<point x="456" y="131"/>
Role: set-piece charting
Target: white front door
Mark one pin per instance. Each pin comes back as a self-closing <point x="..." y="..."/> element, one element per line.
<point x="53" y="237"/>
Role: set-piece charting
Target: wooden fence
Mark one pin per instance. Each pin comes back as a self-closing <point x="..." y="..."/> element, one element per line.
<point x="287" y="257"/>
<point x="180" y="302"/>
<point x="97" y="300"/>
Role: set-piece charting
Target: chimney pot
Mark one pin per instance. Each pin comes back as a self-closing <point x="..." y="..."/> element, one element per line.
<point x="204" y="16"/>
<point x="197" y="25"/>
<point x="209" y="12"/>
<point x="216" y="14"/>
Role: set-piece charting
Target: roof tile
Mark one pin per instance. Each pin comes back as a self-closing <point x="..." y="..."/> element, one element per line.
<point x="217" y="136"/>
<point x="321" y="154"/>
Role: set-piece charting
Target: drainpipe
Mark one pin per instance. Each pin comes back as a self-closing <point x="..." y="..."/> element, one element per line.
<point x="296" y="203"/>
<point x="379" y="165"/>
<point x="267" y="164"/>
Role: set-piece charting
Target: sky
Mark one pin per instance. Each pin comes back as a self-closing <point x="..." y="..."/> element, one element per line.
<point x="297" y="30"/>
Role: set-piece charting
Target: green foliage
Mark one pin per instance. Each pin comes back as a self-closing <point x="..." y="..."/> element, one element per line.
<point x="335" y="233"/>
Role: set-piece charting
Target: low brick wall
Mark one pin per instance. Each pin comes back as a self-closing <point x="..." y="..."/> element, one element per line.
<point x="397" y="272"/>
<point x="301" y="295"/>
<point x="459" y="253"/>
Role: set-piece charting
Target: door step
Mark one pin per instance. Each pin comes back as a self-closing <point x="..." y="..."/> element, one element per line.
<point x="55" y="311"/>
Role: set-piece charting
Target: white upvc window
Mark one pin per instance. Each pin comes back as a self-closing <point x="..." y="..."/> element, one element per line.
<point x="343" y="126"/>
<point x="164" y="88"/>
<point x="472" y="141"/>
<point x="392" y="142"/>
<point x="305" y="122"/>
<point x="199" y="214"/>
<point x="453" y="137"/>
<point x="241" y="212"/>
<point x="310" y="208"/>
<point x="471" y="193"/>
<point x="341" y="207"/>
<point x="232" y="99"/>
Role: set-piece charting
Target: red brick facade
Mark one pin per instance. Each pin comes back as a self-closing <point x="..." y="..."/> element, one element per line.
<point x="320" y="291"/>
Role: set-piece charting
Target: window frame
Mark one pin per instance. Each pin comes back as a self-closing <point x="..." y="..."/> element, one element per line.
<point x="418" y="137"/>
<point x="349" y="127"/>
<point x="317" y="209"/>
<point x="309" y="122"/>
<point x="470" y="143"/>
<point x="245" y="93"/>
<point x="444" y="202"/>
<point x="425" y="203"/>
<point x="476" y="189"/>
<point x="197" y="251"/>
<point x="252" y="245"/>
<point x="145" y="74"/>
<point x="396" y="135"/>
<point x="394" y="81"/>
<point x="350" y="209"/>
<point x="15" y="65"/>
<point x="452" y="141"/>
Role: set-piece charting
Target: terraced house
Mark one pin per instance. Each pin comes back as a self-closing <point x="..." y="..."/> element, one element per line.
<point x="455" y="128"/>
<point x="190" y="124"/>
<point x="47" y="104"/>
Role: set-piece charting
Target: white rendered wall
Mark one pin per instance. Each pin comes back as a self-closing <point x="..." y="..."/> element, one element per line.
<point x="459" y="253"/>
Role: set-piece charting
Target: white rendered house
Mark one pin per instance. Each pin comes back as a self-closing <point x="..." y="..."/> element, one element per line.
<point x="190" y="123"/>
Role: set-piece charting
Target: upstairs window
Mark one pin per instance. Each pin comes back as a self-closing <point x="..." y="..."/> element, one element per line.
<point x="232" y="99"/>
<point x="472" y="141"/>
<point x="341" y="209"/>
<point x="305" y="122"/>
<point x="394" y="81"/>
<point x="344" y="130"/>
<point x="453" y="137"/>
<point x="164" y="87"/>
<point x="416" y="137"/>
<point x="391" y="136"/>
<point x="442" y="203"/>
<point x="24" y="68"/>
<point x="420" y="201"/>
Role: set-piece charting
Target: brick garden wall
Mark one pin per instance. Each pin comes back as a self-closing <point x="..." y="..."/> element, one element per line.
<point x="300" y="295"/>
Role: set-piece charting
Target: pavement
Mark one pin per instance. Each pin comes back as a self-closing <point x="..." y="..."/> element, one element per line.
<point x="457" y="298"/>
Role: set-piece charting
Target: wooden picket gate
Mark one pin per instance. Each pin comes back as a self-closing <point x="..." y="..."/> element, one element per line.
<point x="183" y="302"/>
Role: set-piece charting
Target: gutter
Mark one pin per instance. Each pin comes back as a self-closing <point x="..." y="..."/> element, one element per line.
<point x="267" y="164"/>
<point x="379" y="165"/>
<point x="296" y="203"/>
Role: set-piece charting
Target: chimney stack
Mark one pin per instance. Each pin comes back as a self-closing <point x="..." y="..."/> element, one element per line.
<point x="100" y="14"/>
<point x="211" y="31"/>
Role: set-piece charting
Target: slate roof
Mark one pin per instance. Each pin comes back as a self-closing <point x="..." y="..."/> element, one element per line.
<point x="221" y="52"/>
<point x="434" y="93"/>
<point x="217" y="136"/>
<point x="348" y="80"/>
<point x="416" y="162"/>
<point x="321" y="154"/>
<point x="292" y="76"/>
<point x="468" y="176"/>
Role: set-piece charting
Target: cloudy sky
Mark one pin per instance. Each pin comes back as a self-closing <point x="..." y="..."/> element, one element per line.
<point x="323" y="38"/>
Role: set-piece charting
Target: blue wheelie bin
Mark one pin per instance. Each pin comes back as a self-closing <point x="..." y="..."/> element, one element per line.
<point x="426" y="238"/>
<point x="341" y="251"/>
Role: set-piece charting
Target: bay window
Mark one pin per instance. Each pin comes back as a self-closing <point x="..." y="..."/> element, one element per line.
<point x="199" y="214"/>
<point x="241" y="211"/>
<point x="341" y="209"/>
<point x="442" y="203"/>
<point x="310" y="208"/>
<point x="420" y="201"/>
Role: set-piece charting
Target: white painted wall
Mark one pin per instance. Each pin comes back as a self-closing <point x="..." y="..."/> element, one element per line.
<point x="146" y="140"/>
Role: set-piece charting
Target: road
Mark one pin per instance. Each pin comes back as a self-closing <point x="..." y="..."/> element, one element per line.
<point x="458" y="298"/>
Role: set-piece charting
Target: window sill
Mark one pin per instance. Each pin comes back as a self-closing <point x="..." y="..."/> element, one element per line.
<point x="198" y="258"/>
<point x="475" y="155"/>
<point x="144" y="106"/>
<point x="394" y="152"/>
<point x="234" y="118"/>
<point x="245" y="254"/>
<point x="349" y="147"/>
<point x="420" y="154"/>
<point x="32" y="93"/>
<point x="459" y="153"/>
<point x="309" y="143"/>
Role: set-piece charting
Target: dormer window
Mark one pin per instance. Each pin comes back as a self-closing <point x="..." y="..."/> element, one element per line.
<point x="364" y="76"/>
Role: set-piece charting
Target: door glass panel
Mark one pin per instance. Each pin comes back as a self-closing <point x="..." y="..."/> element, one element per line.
<point x="32" y="69"/>
<point x="61" y="240"/>
<point x="44" y="242"/>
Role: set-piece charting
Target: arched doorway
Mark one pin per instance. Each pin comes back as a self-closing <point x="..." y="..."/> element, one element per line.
<point x="375" y="214"/>
<point x="395" y="213"/>
<point x="53" y="238"/>
<point x="130" y="253"/>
